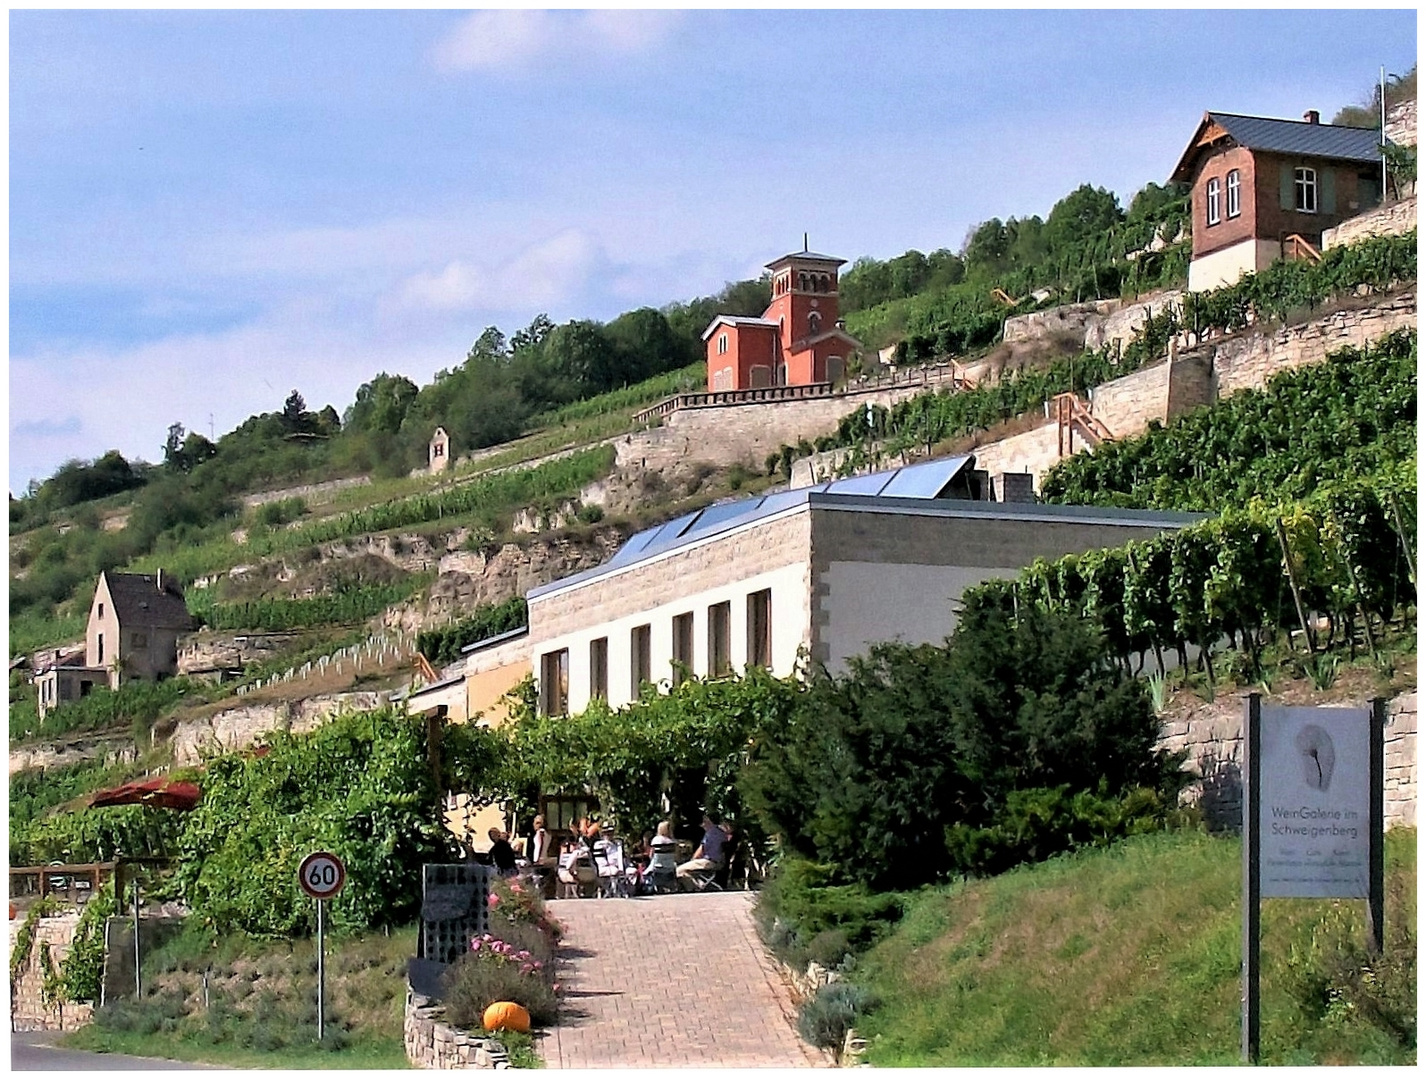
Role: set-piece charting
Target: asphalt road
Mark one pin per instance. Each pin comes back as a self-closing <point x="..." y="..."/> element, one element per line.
<point x="35" y="1050"/>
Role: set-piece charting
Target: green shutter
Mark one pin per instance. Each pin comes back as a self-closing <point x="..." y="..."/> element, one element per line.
<point x="1289" y="199"/>
<point x="1327" y="195"/>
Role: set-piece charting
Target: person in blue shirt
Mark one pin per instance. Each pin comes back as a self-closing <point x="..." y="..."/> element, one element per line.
<point x="710" y="853"/>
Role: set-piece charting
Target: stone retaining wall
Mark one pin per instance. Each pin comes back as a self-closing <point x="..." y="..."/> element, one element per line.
<point x="1393" y="219"/>
<point x="27" y="1008"/>
<point x="1248" y="359"/>
<point x="1213" y="736"/>
<point x="240" y="726"/>
<point x="431" y="1043"/>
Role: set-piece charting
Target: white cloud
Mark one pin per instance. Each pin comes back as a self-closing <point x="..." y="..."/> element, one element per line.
<point x="548" y="274"/>
<point x="511" y="40"/>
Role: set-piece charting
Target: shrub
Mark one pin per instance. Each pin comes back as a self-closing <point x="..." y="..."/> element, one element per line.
<point x="1333" y="977"/>
<point x="825" y="1018"/>
<point x="495" y="970"/>
<point x="869" y="769"/>
<point x="804" y="917"/>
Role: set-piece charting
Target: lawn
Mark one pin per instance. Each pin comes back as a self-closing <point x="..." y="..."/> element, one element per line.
<point x="1128" y="956"/>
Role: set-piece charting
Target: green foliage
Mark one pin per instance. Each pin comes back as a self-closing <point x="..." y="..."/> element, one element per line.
<point x="279" y="512"/>
<point x="360" y="786"/>
<point x="1037" y="823"/>
<point x="443" y="645"/>
<point x="871" y="768"/>
<point x="803" y="915"/>
<point x="687" y="744"/>
<point x="94" y="835"/>
<point x="1224" y="577"/>
<point x="825" y="1018"/>
<point x="24" y="946"/>
<point x="76" y="482"/>
<point x="1335" y="978"/>
<point x="1347" y="416"/>
<point x="103" y="709"/>
<point x="484" y="497"/>
<point x="82" y="969"/>
<point x="349" y="605"/>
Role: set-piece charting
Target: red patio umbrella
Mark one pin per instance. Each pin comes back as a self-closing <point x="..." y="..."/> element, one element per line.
<point x="158" y="791"/>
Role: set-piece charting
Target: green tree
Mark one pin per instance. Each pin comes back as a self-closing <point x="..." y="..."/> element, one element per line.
<point x="873" y="767"/>
<point x="1082" y="216"/>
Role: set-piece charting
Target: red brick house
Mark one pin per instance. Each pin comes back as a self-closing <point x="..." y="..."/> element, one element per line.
<point x="1259" y="182"/>
<point x="800" y="338"/>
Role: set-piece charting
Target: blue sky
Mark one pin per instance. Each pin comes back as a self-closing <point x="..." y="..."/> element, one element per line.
<point x="210" y="209"/>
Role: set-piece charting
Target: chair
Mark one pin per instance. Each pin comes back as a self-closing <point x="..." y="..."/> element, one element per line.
<point x="609" y="864"/>
<point x="706" y="878"/>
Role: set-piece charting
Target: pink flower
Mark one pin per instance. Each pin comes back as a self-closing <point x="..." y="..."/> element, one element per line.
<point x="494" y="899"/>
<point x="538" y="965"/>
<point x="475" y="945"/>
<point x="555" y="988"/>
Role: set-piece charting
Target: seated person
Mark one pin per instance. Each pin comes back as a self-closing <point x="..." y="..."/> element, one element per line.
<point x="502" y="855"/>
<point x="663" y="860"/>
<point x="609" y="858"/>
<point x="709" y="855"/>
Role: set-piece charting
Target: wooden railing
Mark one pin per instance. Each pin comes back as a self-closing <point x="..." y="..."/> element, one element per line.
<point x="1073" y="413"/>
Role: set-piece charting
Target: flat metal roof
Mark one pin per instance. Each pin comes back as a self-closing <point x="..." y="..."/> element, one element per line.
<point x="491" y="642"/>
<point x="914" y="489"/>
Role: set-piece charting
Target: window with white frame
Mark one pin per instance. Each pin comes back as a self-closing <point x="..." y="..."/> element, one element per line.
<point x="1235" y="197"/>
<point x="682" y="647"/>
<point x="1213" y="191"/>
<point x="722" y="344"/>
<point x="1304" y="182"/>
<point x="720" y="659"/>
<point x="641" y="654"/>
<point x="599" y="668"/>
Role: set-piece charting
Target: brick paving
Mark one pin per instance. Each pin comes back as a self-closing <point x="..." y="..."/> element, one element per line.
<point x="668" y="982"/>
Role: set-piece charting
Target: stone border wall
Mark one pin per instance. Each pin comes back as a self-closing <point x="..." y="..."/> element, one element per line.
<point x="431" y="1043"/>
<point x="27" y="1008"/>
<point x="1213" y="736"/>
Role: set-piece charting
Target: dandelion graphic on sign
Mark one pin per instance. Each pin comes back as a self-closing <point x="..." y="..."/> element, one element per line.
<point x="1318" y="756"/>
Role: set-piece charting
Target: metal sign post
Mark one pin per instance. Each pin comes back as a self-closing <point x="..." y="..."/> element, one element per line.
<point x="321" y="877"/>
<point x="1312" y="820"/>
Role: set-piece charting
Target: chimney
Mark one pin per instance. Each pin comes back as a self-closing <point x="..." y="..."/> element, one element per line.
<point x="1312" y="116"/>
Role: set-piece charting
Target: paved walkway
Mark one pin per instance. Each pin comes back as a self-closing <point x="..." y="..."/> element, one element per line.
<point x="668" y="982"/>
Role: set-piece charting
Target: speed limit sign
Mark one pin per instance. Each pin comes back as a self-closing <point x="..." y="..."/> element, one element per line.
<point x="321" y="875"/>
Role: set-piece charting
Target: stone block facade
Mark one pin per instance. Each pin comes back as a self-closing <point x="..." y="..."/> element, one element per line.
<point x="1393" y="219"/>
<point x="1213" y="736"/>
<point x="28" y="1011"/>
<point x="431" y="1043"/>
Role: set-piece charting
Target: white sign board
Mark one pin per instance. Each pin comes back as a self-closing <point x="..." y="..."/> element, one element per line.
<point x="1315" y="803"/>
<point x="321" y="875"/>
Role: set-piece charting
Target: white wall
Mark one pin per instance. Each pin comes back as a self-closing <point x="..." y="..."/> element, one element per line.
<point x="868" y="603"/>
<point x="791" y="625"/>
<point x="1225" y="267"/>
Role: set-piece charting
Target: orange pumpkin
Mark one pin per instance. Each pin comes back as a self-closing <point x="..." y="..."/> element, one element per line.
<point x="506" y="1016"/>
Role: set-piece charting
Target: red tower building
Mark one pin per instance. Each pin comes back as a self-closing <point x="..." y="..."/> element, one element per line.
<point x="798" y="341"/>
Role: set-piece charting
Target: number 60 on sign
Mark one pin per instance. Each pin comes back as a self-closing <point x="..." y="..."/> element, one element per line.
<point x="321" y="875"/>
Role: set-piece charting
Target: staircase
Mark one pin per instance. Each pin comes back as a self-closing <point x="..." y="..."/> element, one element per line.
<point x="1074" y="414"/>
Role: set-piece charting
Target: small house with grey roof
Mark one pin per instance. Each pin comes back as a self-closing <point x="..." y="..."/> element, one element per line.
<point x="135" y="621"/>
<point x="1265" y="189"/>
<point x="821" y="572"/>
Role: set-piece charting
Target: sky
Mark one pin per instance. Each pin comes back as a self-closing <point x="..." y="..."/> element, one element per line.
<point x="210" y="209"/>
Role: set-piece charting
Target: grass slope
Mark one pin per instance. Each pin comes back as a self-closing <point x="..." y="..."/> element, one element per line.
<point x="1128" y="956"/>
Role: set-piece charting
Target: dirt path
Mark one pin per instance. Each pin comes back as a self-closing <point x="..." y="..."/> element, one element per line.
<point x="670" y="981"/>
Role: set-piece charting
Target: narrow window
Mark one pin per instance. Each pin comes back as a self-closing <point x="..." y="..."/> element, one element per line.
<point x="1235" y="202"/>
<point x="720" y="660"/>
<point x="599" y="668"/>
<point x="101" y="611"/>
<point x="760" y="629"/>
<point x="1305" y="189"/>
<point x="641" y="666"/>
<point x="1214" y="215"/>
<point x="814" y="322"/>
<point x="101" y="650"/>
<point x="722" y="343"/>
<point x="682" y="647"/>
<point x="554" y="683"/>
